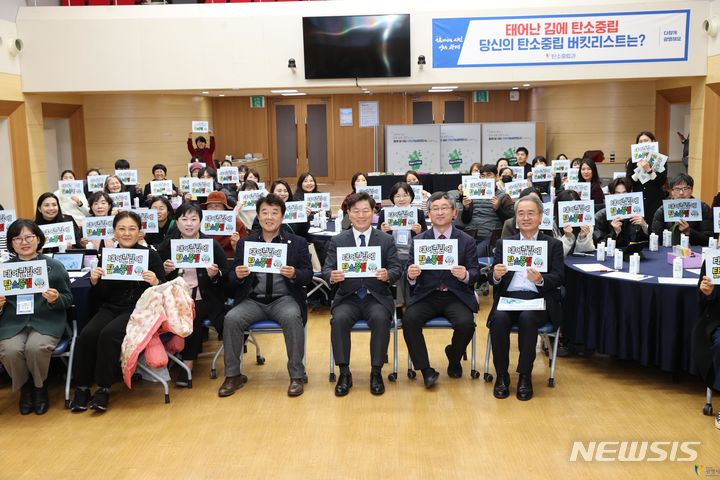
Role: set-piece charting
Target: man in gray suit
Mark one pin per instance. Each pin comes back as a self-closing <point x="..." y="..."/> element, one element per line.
<point x="364" y="298"/>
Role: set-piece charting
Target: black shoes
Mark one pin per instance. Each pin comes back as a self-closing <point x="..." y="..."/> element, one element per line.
<point x="41" y="401"/>
<point x="343" y="385"/>
<point x="502" y="386"/>
<point x="377" y="387"/>
<point x="430" y="377"/>
<point x="100" y="399"/>
<point x="26" y="398"/>
<point x="524" y="390"/>
<point x="81" y="400"/>
<point x="454" y="369"/>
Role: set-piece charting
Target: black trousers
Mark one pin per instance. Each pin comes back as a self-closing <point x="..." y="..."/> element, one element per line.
<point x="437" y="304"/>
<point x="97" y="351"/>
<point x="193" y="342"/>
<point x="528" y="323"/>
<point x="346" y="314"/>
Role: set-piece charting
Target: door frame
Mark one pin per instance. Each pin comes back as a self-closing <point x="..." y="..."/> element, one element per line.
<point x="438" y="105"/>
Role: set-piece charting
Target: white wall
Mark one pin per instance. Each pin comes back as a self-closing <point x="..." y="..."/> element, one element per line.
<point x="7" y="188"/>
<point x="247" y="45"/>
<point x="714" y="43"/>
<point x="58" y="149"/>
<point x="9" y="63"/>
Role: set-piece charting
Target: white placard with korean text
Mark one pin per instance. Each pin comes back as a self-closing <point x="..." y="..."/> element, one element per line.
<point x="124" y="263"/>
<point x="21" y="278"/>
<point x="263" y="257"/>
<point x="521" y="255"/>
<point x="436" y="254"/>
<point x="196" y="253"/>
<point x="359" y="262"/>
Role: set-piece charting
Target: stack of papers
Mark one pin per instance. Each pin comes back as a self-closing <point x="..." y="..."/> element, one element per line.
<point x="627" y="276"/>
<point x="515" y="304"/>
<point x="678" y="281"/>
<point x="594" y="267"/>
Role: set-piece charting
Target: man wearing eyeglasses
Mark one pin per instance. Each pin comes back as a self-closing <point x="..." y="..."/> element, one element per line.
<point x="365" y="298"/>
<point x="681" y="187"/>
<point x="442" y="293"/>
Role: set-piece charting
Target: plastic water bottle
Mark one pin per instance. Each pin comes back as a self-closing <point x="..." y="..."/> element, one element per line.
<point x="684" y="240"/>
<point x="610" y="247"/>
<point x="618" y="260"/>
<point x="654" y="240"/>
<point x="601" y="252"/>
<point x="667" y="238"/>
<point x="338" y="221"/>
<point x="712" y="243"/>
<point x="635" y="263"/>
<point x="323" y="219"/>
<point x="678" y="267"/>
<point x="136" y="202"/>
<point x="62" y="248"/>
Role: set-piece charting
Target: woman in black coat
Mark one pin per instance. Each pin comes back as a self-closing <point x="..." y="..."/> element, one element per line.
<point x="206" y="284"/>
<point x="706" y="335"/>
<point x="653" y="190"/>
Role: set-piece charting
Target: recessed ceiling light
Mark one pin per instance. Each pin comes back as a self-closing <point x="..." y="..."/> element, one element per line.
<point x="205" y="93"/>
<point x="283" y="91"/>
<point x="221" y="95"/>
<point x="526" y="84"/>
<point x="444" y="88"/>
<point x="516" y="88"/>
<point x="296" y="94"/>
<point x="440" y="90"/>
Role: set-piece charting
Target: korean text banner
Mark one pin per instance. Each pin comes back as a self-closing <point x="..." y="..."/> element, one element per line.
<point x="612" y="37"/>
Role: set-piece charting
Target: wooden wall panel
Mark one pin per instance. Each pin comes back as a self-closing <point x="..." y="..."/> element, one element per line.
<point x="24" y="200"/>
<point x="499" y="108"/>
<point x="77" y="140"/>
<point x="596" y="116"/>
<point x="709" y="182"/>
<point x="144" y="129"/>
<point x="240" y="129"/>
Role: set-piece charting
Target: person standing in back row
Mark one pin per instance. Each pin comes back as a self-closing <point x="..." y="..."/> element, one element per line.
<point x="201" y="150"/>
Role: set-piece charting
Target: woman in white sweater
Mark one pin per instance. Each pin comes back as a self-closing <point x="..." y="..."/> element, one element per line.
<point x="574" y="239"/>
<point x="74" y="205"/>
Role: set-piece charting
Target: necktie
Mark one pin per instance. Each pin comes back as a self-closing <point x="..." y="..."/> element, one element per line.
<point x="442" y="286"/>
<point x="362" y="291"/>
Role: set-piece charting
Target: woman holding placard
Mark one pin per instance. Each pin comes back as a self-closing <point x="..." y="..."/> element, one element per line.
<point x="48" y="212"/>
<point x="589" y="173"/>
<point x="402" y="195"/>
<point x="358" y="179"/>
<point x="97" y="352"/>
<point x="100" y="205"/>
<point x="247" y="217"/>
<point x="166" y="220"/>
<point x="624" y="232"/>
<point x="74" y="205"/>
<point x="159" y="172"/>
<point x="31" y="325"/>
<point x="206" y="284"/>
<point x="574" y="239"/>
<point x="218" y="201"/>
<point x="653" y="190"/>
<point x="113" y="184"/>
<point x="412" y="178"/>
<point x="540" y="161"/>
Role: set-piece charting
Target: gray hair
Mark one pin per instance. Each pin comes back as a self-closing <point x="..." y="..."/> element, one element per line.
<point x="533" y="199"/>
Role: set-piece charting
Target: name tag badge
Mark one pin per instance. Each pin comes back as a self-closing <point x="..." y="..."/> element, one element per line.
<point x="25" y="304"/>
<point x="403" y="237"/>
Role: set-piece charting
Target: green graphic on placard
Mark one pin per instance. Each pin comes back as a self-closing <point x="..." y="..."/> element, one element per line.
<point x="414" y="160"/>
<point x="455" y="159"/>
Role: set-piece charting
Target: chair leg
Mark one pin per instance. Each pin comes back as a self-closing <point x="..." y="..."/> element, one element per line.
<point x="553" y="358"/>
<point x="158" y="379"/>
<point x="474" y="374"/>
<point x="213" y="365"/>
<point x="182" y="365"/>
<point x="70" y="363"/>
<point x="393" y="375"/>
<point x="332" y="377"/>
<point x="487" y="376"/>
<point x="708" y="408"/>
<point x="258" y="356"/>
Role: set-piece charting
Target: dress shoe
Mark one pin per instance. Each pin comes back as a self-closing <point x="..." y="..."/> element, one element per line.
<point x="26" y="398"/>
<point x="343" y="385"/>
<point x="41" y="401"/>
<point x="296" y="387"/>
<point x="377" y="387"/>
<point x="524" y="390"/>
<point x="231" y="384"/>
<point x="502" y="386"/>
<point x="430" y="377"/>
<point x="454" y="369"/>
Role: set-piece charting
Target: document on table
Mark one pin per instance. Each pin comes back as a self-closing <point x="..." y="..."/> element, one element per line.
<point x="594" y="267"/>
<point x="516" y="304"/>
<point x="627" y="276"/>
<point x="677" y="281"/>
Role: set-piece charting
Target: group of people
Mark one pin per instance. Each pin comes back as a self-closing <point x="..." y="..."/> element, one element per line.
<point x="27" y="338"/>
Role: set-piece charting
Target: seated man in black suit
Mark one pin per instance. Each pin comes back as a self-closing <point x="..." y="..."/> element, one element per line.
<point x="525" y="285"/>
<point x="366" y="298"/>
<point x="262" y="296"/>
<point x="442" y="293"/>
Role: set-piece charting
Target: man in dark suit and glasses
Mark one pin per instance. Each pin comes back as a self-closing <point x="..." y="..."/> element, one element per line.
<point x="525" y="285"/>
<point x="366" y="298"/>
<point x="442" y="293"/>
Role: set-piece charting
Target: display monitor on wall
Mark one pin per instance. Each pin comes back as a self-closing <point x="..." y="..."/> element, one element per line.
<point x="359" y="46"/>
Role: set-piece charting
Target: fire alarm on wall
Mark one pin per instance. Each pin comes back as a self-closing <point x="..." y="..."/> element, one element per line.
<point x="514" y="95"/>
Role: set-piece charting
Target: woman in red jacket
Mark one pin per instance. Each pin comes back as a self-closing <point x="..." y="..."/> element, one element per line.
<point x="200" y="150"/>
